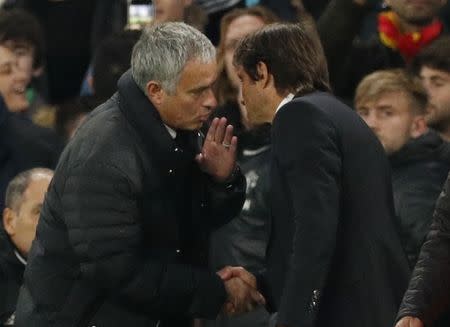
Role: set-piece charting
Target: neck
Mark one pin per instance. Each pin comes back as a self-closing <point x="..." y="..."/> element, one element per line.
<point x="445" y="135"/>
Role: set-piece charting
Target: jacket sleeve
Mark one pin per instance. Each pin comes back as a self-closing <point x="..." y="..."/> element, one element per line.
<point x="414" y="204"/>
<point x="306" y="150"/>
<point x="427" y="296"/>
<point x="104" y="227"/>
<point x="224" y="200"/>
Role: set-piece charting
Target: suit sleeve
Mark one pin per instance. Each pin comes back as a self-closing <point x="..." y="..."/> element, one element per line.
<point x="427" y="296"/>
<point x="105" y="232"/>
<point x="306" y="150"/>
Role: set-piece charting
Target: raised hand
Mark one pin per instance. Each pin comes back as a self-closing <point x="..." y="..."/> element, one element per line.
<point x="409" y="321"/>
<point x="218" y="156"/>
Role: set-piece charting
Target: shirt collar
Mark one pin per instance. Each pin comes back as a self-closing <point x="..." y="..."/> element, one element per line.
<point x="172" y="132"/>
<point x="287" y="99"/>
<point x="20" y="258"/>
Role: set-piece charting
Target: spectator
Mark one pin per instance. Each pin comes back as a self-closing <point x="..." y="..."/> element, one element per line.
<point x="394" y="106"/>
<point x="24" y="198"/>
<point x="21" y="59"/>
<point x="111" y="60"/>
<point x="433" y="67"/>
<point x="23" y="146"/>
<point x="402" y="32"/>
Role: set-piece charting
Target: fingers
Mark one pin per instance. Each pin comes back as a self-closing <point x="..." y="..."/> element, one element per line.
<point x="220" y="131"/>
<point x="227" y="138"/>
<point x="409" y="322"/>
<point x="212" y="130"/>
<point x="225" y="273"/>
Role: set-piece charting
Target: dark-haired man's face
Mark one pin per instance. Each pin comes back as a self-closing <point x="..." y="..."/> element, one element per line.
<point x="238" y="28"/>
<point x="253" y="98"/>
<point x="437" y="84"/>
<point x="16" y="71"/>
<point x="416" y="11"/>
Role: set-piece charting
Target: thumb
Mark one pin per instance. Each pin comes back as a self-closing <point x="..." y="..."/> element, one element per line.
<point x="225" y="273"/>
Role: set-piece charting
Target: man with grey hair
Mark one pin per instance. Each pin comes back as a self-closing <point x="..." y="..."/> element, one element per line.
<point x="122" y="239"/>
<point x="24" y="197"/>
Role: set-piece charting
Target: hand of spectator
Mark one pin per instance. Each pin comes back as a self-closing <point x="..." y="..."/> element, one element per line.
<point x="409" y="321"/>
<point x="218" y="156"/>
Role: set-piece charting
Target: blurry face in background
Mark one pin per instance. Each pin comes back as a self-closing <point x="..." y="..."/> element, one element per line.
<point x="170" y="10"/>
<point x="416" y="11"/>
<point x="20" y="223"/>
<point x="391" y="118"/>
<point x="437" y="84"/>
<point x="16" y="71"/>
<point x="237" y="29"/>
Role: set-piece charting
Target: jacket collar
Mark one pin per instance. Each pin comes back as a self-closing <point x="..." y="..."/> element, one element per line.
<point x="146" y="121"/>
<point x="429" y="146"/>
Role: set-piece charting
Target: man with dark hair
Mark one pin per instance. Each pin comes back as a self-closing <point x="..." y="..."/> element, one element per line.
<point x="21" y="57"/>
<point x="125" y="225"/>
<point x="334" y="256"/>
<point x="433" y="66"/>
<point x="24" y="198"/>
<point x="394" y="105"/>
<point x="111" y="60"/>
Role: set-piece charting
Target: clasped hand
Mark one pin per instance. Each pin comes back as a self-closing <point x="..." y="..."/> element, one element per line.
<point x="241" y="289"/>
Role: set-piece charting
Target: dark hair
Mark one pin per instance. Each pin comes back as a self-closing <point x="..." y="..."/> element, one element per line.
<point x="22" y="28"/>
<point x="436" y="56"/>
<point x="293" y="55"/>
<point x="112" y="58"/>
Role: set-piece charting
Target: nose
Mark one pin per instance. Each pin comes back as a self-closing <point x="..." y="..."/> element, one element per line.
<point x="371" y="121"/>
<point x="210" y="101"/>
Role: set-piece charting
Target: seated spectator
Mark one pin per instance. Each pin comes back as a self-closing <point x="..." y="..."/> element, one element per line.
<point x="394" y="104"/>
<point x="23" y="146"/>
<point x="433" y="66"/>
<point x="21" y="59"/>
<point x="24" y="198"/>
<point x="403" y="31"/>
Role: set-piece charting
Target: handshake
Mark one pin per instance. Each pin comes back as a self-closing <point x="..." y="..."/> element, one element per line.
<point x="241" y="289"/>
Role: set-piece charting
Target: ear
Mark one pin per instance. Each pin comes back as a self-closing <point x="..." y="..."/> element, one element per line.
<point x="155" y="93"/>
<point x="263" y="73"/>
<point x="418" y="127"/>
<point x="38" y="71"/>
<point x="90" y="81"/>
<point x="9" y="221"/>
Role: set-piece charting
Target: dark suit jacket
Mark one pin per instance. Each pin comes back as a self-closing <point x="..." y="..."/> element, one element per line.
<point x="334" y="257"/>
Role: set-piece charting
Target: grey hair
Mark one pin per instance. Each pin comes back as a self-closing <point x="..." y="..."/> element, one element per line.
<point x="18" y="185"/>
<point x="164" y="49"/>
